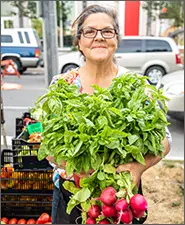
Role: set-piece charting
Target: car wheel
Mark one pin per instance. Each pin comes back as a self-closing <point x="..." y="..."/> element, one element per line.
<point x="23" y="70"/>
<point x="68" y="67"/>
<point x="155" y="73"/>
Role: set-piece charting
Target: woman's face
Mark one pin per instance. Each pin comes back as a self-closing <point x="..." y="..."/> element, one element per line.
<point x="98" y="48"/>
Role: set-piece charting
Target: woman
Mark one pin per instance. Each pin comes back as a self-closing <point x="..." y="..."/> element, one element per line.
<point x="97" y="38"/>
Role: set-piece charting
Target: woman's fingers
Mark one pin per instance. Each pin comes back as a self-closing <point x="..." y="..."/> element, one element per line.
<point x="123" y="168"/>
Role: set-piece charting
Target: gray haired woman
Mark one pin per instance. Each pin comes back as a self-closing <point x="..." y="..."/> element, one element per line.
<point x="97" y="38"/>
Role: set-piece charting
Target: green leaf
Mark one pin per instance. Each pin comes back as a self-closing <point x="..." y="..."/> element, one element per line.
<point x="132" y="138"/>
<point x="101" y="176"/>
<point x="108" y="168"/>
<point x="82" y="195"/>
<point x="42" y="153"/>
<point x="132" y="149"/>
<point x="71" y="204"/>
<point x="94" y="147"/>
<point x="70" y="186"/>
<point x="139" y="157"/>
<point x="86" y="205"/>
<point x="77" y="148"/>
<point x="116" y="111"/>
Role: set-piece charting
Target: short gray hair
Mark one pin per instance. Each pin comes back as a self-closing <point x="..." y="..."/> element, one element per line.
<point x="92" y="9"/>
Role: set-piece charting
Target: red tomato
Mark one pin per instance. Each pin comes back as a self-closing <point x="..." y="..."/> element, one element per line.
<point x="43" y="218"/>
<point x="12" y="221"/>
<point x="4" y="219"/>
<point x="50" y="219"/>
<point x="31" y="221"/>
<point x="21" y="221"/>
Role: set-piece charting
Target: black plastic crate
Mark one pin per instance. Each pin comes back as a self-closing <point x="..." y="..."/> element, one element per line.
<point x="25" y="206"/>
<point x="23" y="181"/>
<point x="25" y="194"/>
<point x="25" y="156"/>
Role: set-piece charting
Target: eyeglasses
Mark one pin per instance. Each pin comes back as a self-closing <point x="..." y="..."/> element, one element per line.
<point x="106" y="33"/>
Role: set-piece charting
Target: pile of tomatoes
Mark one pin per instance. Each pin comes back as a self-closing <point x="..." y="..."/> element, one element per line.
<point x="45" y="218"/>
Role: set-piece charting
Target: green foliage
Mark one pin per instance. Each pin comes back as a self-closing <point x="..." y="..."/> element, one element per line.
<point x="37" y="25"/>
<point x="29" y="11"/>
<point x="175" y="11"/>
<point x="63" y="10"/>
<point x="84" y="130"/>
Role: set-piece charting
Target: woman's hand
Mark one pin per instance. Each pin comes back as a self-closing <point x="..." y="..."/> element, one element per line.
<point x="136" y="169"/>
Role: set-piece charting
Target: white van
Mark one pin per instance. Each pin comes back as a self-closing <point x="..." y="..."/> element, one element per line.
<point x="22" y="45"/>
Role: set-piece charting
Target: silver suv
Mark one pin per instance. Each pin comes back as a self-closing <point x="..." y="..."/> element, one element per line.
<point x="151" y="56"/>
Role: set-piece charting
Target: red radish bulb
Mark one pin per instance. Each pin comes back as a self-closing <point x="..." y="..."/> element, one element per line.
<point x="108" y="196"/>
<point x="121" y="204"/>
<point x="138" y="203"/>
<point x="125" y="216"/>
<point x="138" y="214"/>
<point x="104" y="221"/>
<point x="108" y="211"/>
<point x="94" y="211"/>
<point x="90" y="221"/>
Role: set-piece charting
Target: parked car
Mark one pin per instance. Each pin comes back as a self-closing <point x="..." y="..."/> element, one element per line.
<point x="151" y="56"/>
<point x="173" y="87"/>
<point x="22" y="45"/>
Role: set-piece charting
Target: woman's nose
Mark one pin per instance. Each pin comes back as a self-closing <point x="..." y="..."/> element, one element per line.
<point x="99" y="35"/>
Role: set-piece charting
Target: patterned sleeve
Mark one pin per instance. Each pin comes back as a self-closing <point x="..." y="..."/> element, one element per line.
<point x="55" y="78"/>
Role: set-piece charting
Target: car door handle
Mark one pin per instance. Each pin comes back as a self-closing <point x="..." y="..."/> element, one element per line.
<point x="118" y="57"/>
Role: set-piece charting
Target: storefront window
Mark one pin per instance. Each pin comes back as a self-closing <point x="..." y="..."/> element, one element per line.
<point x="8" y="24"/>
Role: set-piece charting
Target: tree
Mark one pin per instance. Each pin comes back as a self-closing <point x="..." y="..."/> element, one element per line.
<point x="174" y="11"/>
<point x="62" y="11"/>
<point x="151" y="7"/>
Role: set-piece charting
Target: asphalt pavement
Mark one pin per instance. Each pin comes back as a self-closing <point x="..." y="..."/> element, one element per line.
<point x="16" y="102"/>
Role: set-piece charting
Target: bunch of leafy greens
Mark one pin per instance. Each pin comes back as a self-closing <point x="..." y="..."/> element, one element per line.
<point x="116" y="125"/>
<point x="113" y="126"/>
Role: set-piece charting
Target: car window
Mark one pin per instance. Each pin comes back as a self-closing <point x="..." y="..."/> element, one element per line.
<point x="27" y="37"/>
<point x="127" y="46"/>
<point x="20" y="37"/>
<point x="6" y="39"/>
<point x="157" y="46"/>
<point x="37" y="38"/>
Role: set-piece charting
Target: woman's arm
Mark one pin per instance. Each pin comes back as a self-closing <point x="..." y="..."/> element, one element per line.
<point x="137" y="169"/>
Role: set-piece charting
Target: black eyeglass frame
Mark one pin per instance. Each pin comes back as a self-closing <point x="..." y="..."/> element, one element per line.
<point x="100" y="32"/>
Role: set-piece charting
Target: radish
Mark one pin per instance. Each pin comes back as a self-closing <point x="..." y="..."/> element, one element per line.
<point x="138" y="203"/>
<point x="108" y="196"/>
<point x="104" y="221"/>
<point x="121" y="204"/>
<point x="94" y="211"/>
<point x="90" y="221"/>
<point x="108" y="211"/>
<point x="138" y="214"/>
<point x="125" y="216"/>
